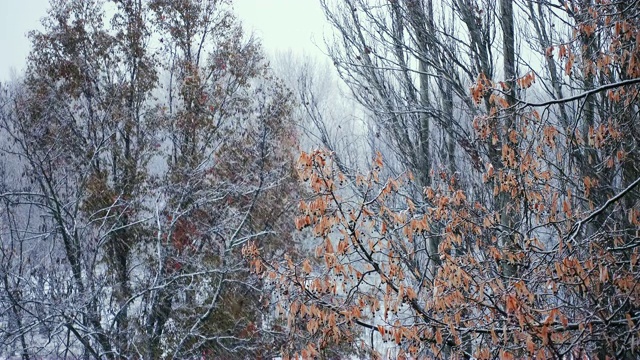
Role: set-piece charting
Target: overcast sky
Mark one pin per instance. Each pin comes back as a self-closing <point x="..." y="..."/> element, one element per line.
<point x="281" y="24"/>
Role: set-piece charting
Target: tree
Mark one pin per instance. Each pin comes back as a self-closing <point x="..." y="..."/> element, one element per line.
<point x="535" y="256"/>
<point x="153" y="142"/>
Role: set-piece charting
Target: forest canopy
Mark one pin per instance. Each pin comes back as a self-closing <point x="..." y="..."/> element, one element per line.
<point x="145" y="144"/>
<point x="468" y="187"/>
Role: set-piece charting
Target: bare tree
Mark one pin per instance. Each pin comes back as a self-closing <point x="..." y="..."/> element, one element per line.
<point x="517" y="240"/>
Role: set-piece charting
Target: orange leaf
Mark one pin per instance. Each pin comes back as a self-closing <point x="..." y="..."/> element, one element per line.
<point x="566" y="207"/>
<point x="306" y="266"/>
<point x="549" y="51"/>
<point x="438" y="337"/>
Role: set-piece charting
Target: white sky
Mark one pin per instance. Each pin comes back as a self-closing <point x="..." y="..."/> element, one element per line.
<point x="17" y="17"/>
<point x="282" y="25"/>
